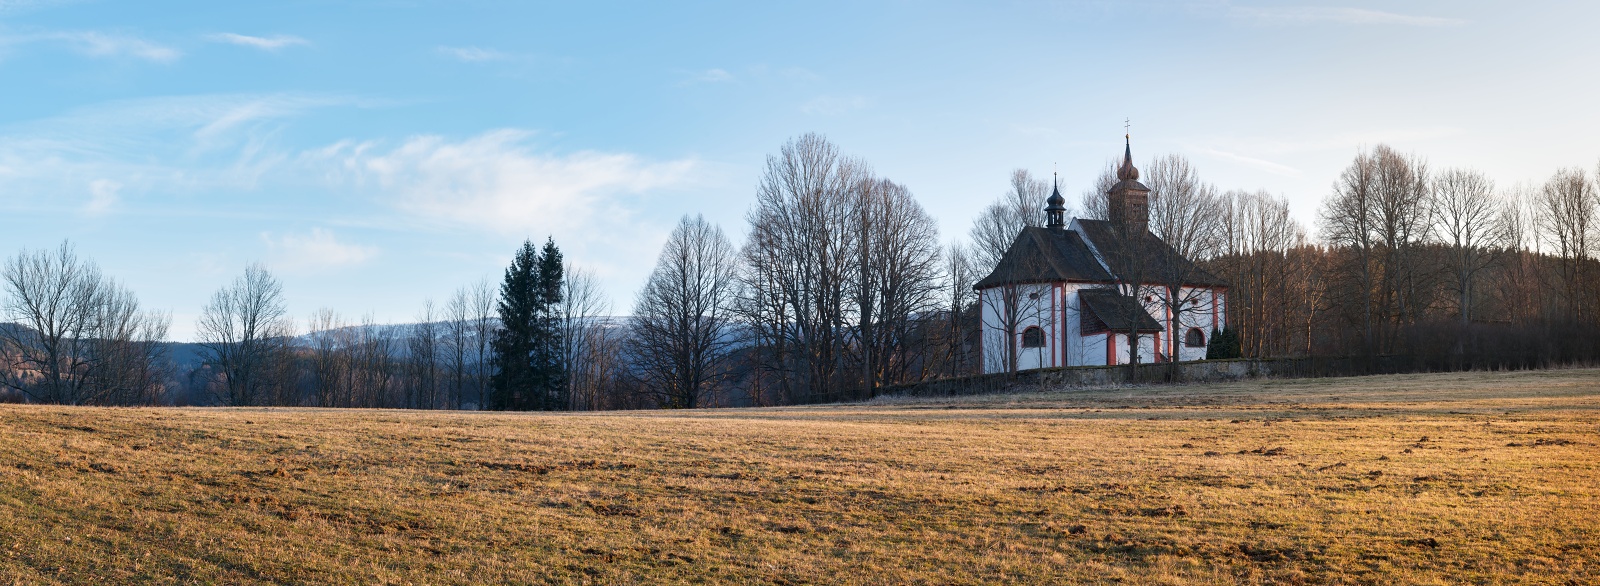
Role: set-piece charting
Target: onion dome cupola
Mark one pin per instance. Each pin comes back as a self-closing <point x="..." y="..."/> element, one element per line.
<point x="1126" y="171"/>
<point x="1055" y="209"/>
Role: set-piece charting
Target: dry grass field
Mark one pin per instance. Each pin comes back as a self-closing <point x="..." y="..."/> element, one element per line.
<point x="1425" y="479"/>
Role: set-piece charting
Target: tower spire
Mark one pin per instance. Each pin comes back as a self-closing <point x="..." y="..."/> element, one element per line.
<point x="1127" y="152"/>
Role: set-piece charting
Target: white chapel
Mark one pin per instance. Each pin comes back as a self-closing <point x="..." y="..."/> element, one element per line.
<point x="1085" y="294"/>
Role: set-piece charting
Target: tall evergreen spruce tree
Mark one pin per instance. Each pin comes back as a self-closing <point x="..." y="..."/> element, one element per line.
<point x="513" y="341"/>
<point x="551" y="382"/>
<point x="527" y="358"/>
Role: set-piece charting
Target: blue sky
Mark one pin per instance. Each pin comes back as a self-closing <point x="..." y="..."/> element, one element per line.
<point x="376" y="154"/>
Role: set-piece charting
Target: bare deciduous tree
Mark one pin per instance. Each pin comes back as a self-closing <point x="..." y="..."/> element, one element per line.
<point x="583" y="331"/>
<point x="1183" y="214"/>
<point x="422" y="350"/>
<point x="1565" y="210"/>
<point x="895" y="279"/>
<point x="679" y="328"/>
<point x="329" y="358"/>
<point x="1095" y="204"/>
<point x="54" y="295"/>
<point x="457" y="347"/>
<point x="1466" y="215"/>
<point x="835" y="260"/>
<point x="1402" y="220"/>
<point x="961" y="274"/>
<point x="1379" y="212"/>
<point x="128" y="359"/>
<point x="77" y="337"/>
<point x="797" y="261"/>
<point x="376" y="361"/>
<point x="1270" y="285"/>
<point x="482" y="301"/>
<point x="245" y="334"/>
<point x="1348" y="223"/>
<point x="997" y="226"/>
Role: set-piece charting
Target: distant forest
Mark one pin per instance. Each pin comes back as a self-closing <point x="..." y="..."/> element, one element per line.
<point x="843" y="287"/>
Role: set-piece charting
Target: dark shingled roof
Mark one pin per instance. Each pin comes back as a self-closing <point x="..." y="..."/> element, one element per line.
<point x="1043" y="255"/>
<point x="1118" y="312"/>
<point x="1157" y="260"/>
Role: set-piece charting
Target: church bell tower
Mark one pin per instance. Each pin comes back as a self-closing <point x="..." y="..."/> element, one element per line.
<point x="1129" y="200"/>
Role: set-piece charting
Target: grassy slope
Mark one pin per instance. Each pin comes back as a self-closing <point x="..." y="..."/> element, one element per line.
<point x="1157" y="484"/>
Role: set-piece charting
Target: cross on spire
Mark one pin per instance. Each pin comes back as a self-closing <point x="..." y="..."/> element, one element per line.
<point x="1127" y="126"/>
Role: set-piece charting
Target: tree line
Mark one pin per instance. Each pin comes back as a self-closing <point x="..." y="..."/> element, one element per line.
<point x="843" y="287"/>
<point x="1444" y="267"/>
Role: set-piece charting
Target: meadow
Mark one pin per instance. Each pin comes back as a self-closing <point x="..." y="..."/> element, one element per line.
<point x="1420" y="479"/>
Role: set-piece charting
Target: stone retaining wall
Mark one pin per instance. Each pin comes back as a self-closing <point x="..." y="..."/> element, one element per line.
<point x="1197" y="371"/>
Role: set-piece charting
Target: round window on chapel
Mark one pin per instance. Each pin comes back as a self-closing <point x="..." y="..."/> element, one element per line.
<point x="1033" y="296"/>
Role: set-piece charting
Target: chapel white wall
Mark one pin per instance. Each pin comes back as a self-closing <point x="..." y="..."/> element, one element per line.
<point x="1065" y="344"/>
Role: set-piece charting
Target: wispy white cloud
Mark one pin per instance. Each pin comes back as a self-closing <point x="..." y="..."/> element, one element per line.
<point x="796" y="75"/>
<point x="319" y="249"/>
<point x="272" y="43"/>
<point x="103" y="194"/>
<point x="710" y="76"/>
<point x="800" y="74"/>
<point x="99" y="44"/>
<point x="174" y="144"/>
<point x="497" y="181"/>
<point x="473" y="54"/>
<point x="1263" y="164"/>
<point x="500" y="185"/>
<point x="833" y="105"/>
<point x="143" y="126"/>
<point x="223" y="157"/>
<point x="1281" y="15"/>
<point x="504" y="63"/>
<point x="216" y="119"/>
<point x="753" y="74"/>
<point x="23" y="5"/>
<point x="1264" y="147"/>
<point x="1263" y="153"/>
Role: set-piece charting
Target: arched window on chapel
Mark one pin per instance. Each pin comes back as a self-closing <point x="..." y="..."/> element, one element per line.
<point x="1195" y="338"/>
<point x="1033" y="337"/>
